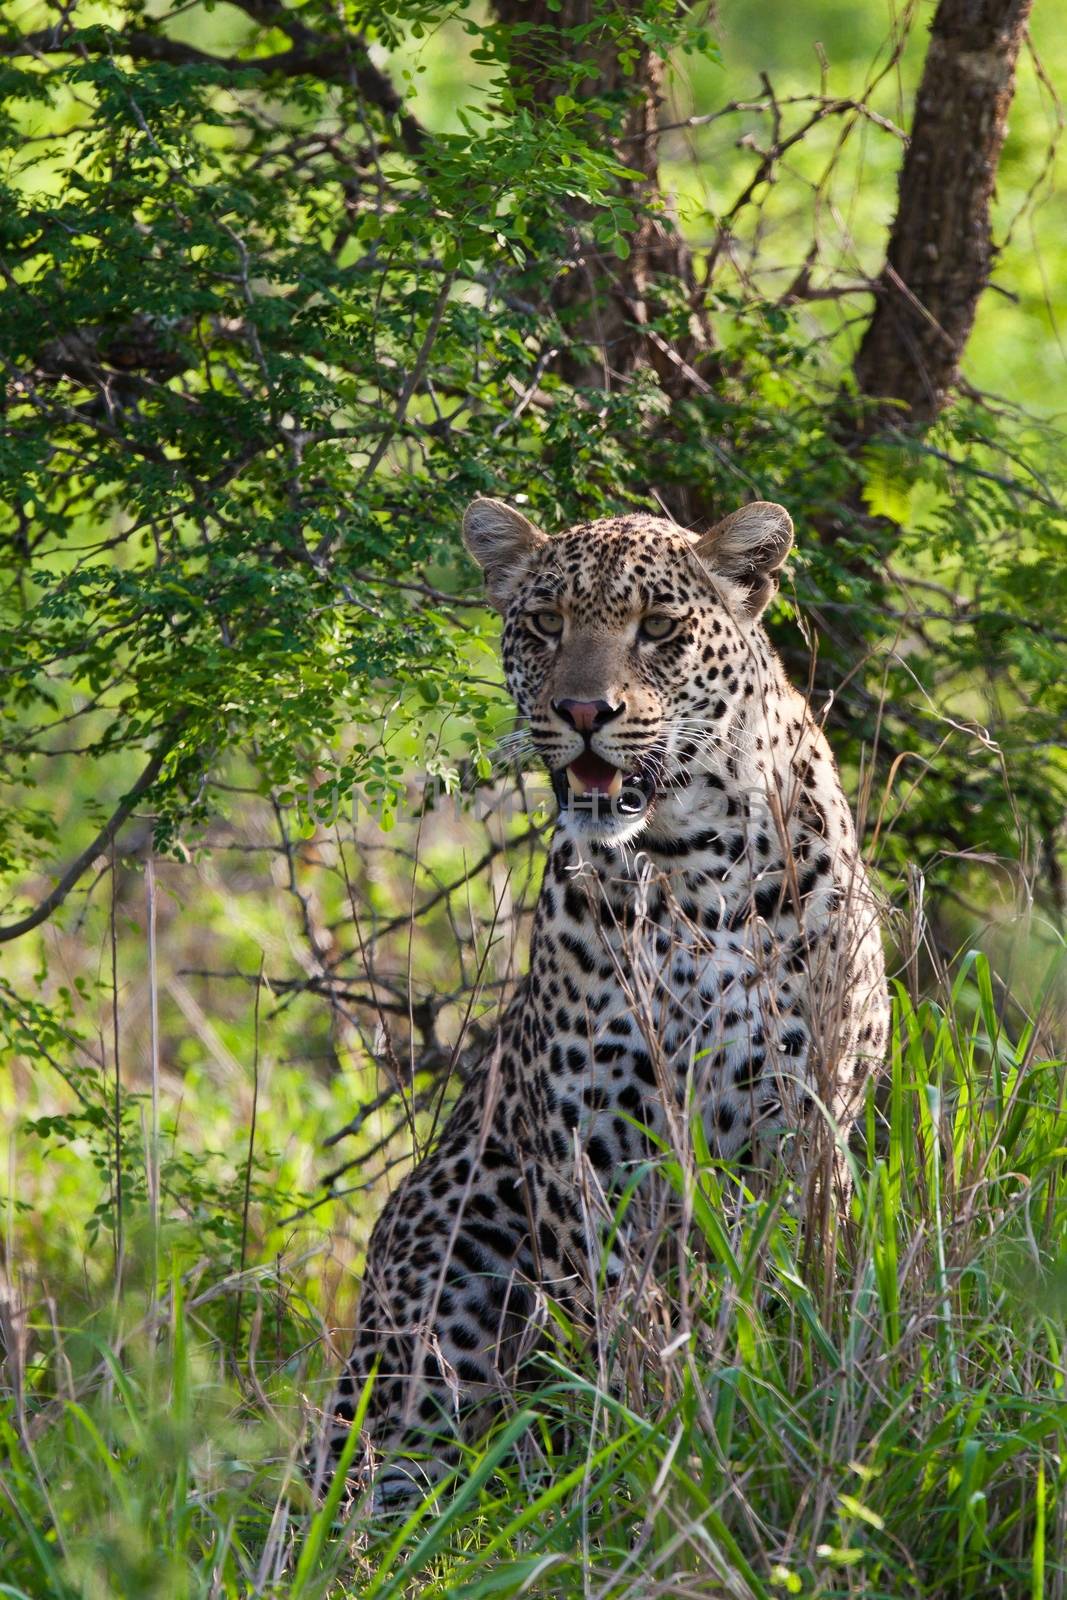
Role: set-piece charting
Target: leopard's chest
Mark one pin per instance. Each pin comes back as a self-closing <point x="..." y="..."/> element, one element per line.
<point x="662" y="1007"/>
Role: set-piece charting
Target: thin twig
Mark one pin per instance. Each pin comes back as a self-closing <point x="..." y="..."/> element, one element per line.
<point x="119" y="1241"/>
<point x="248" y="1162"/>
<point x="153" y="993"/>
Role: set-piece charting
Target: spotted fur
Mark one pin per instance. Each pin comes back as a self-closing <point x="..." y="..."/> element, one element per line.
<point x="711" y="943"/>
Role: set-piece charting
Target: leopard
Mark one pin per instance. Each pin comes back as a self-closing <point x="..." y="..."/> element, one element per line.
<point x="706" y="943"/>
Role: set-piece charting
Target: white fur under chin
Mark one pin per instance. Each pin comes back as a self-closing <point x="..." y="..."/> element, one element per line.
<point x="605" y="829"/>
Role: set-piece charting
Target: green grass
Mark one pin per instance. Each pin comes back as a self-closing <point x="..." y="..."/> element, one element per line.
<point x="871" y="1406"/>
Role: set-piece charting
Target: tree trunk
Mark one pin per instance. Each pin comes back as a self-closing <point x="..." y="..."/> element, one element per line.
<point x="940" y="250"/>
<point x="605" y="303"/>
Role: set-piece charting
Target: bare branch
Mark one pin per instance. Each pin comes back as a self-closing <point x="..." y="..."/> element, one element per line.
<point x="15" y="930"/>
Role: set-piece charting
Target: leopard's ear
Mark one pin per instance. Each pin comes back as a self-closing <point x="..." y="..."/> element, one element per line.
<point x="749" y="547"/>
<point x="502" y="542"/>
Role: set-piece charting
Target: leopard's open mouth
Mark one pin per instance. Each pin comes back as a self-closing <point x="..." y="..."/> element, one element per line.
<point x="592" y="785"/>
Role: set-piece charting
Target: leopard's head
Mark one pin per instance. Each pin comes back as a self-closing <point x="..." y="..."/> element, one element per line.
<point x="629" y="646"/>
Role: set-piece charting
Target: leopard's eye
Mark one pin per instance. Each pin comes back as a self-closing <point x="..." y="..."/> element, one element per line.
<point x="657" y="626"/>
<point x="549" y="623"/>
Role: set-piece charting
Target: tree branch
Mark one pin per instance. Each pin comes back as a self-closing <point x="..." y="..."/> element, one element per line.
<point x="14" y="930"/>
<point x="332" y="60"/>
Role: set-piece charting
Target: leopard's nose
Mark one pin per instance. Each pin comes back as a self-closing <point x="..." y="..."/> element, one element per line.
<point x="586" y="716"/>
